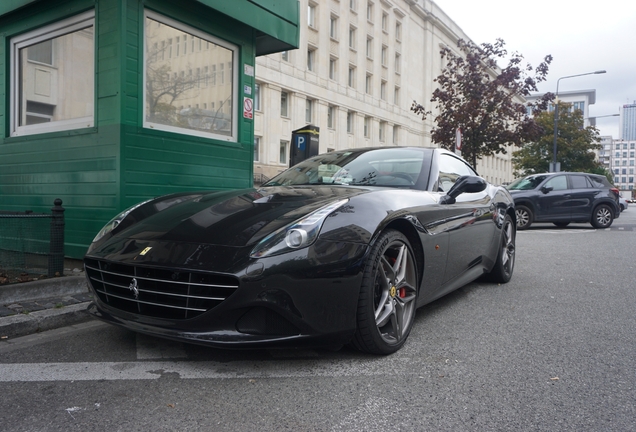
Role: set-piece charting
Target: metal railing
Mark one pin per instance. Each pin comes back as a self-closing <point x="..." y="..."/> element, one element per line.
<point x="259" y="179"/>
<point x="27" y="244"/>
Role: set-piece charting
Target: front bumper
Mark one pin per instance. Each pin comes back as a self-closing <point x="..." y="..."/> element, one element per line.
<point x="285" y="300"/>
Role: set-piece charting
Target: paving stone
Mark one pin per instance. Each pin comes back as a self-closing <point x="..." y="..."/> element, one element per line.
<point x="4" y="312"/>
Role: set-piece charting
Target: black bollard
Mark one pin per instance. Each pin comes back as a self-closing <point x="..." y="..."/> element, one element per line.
<point x="56" y="251"/>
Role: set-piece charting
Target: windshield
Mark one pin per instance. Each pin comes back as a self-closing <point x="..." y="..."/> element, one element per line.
<point x="382" y="167"/>
<point x="527" y="183"/>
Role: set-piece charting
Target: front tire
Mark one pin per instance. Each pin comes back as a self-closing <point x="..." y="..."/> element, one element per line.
<point x="602" y="216"/>
<point x="524" y="217"/>
<point x="388" y="295"/>
<point x="505" y="264"/>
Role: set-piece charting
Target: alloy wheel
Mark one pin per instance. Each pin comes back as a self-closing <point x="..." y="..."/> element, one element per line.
<point x="395" y="292"/>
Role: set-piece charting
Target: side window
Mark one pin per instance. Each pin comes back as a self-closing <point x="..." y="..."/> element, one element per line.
<point x="53" y="77"/>
<point x="557" y="183"/>
<point x="579" y="182"/>
<point x="450" y="169"/>
<point x="174" y="95"/>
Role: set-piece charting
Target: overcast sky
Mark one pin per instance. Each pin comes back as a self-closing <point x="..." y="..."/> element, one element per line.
<point x="581" y="36"/>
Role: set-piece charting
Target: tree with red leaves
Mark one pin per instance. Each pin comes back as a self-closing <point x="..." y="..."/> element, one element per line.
<point x="485" y="101"/>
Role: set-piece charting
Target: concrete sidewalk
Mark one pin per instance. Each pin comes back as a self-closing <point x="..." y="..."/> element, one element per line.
<point x="36" y="306"/>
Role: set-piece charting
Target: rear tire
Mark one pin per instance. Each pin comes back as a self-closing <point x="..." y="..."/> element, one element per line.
<point x="388" y="295"/>
<point x="505" y="264"/>
<point x="524" y="217"/>
<point x="602" y="216"/>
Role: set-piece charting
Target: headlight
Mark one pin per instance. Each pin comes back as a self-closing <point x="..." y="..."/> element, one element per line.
<point x="112" y="224"/>
<point x="297" y="235"/>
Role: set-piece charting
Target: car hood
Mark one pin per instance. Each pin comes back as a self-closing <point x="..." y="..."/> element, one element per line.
<point x="233" y="218"/>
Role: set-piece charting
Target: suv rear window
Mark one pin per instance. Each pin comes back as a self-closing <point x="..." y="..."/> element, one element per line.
<point x="599" y="182"/>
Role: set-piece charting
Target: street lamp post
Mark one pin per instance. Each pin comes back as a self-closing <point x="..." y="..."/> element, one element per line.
<point x="553" y="165"/>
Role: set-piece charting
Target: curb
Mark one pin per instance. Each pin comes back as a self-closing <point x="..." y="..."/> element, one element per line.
<point x="35" y="290"/>
<point x="24" y="324"/>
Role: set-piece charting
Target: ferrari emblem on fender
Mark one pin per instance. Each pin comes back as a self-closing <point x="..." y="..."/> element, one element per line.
<point x="133" y="288"/>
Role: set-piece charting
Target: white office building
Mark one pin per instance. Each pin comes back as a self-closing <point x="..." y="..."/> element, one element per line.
<point x="360" y="65"/>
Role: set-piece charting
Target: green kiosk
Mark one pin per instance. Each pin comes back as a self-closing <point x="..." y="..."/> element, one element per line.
<point x="107" y="103"/>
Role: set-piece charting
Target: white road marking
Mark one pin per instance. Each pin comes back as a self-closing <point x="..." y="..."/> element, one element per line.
<point x="111" y="371"/>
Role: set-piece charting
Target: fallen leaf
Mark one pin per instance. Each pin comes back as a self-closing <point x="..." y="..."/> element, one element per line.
<point x="171" y="405"/>
<point x="554" y="379"/>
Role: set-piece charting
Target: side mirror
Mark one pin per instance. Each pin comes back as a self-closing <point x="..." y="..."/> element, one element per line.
<point x="546" y="189"/>
<point x="464" y="184"/>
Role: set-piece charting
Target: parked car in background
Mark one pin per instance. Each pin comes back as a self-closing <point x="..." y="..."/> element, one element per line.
<point x="623" y="203"/>
<point x="565" y="197"/>
<point x="341" y="248"/>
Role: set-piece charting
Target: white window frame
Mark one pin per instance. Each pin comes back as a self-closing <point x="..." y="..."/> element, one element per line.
<point x="60" y="28"/>
<point x="333" y="27"/>
<point x="233" y="137"/>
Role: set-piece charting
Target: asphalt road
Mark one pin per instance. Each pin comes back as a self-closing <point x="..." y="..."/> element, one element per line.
<point x="553" y="350"/>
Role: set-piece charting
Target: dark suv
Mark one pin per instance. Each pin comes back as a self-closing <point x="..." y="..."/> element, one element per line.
<point x="565" y="197"/>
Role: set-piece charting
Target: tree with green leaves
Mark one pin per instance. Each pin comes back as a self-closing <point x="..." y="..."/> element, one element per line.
<point x="575" y="145"/>
<point x="484" y="101"/>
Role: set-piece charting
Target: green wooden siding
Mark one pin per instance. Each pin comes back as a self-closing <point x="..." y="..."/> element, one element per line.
<point x="99" y="171"/>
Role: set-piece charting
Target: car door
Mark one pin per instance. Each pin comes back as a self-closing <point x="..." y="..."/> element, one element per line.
<point x="582" y="197"/>
<point x="468" y="221"/>
<point x="554" y="200"/>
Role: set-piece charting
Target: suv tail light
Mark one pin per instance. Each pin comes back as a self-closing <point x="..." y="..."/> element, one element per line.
<point x="616" y="192"/>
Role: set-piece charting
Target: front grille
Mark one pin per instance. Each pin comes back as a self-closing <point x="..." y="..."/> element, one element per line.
<point x="158" y="292"/>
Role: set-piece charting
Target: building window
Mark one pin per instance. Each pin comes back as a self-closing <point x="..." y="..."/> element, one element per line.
<point x="352" y="37"/>
<point x="398" y="59"/>
<point x="311" y="15"/>
<point x="369" y="47"/>
<point x="282" y="152"/>
<point x="352" y="5"/>
<point x="311" y="59"/>
<point x="257" y="97"/>
<point x="331" y="119"/>
<point x="350" y="122"/>
<point x="367" y="130"/>
<point x="352" y="77"/>
<point x="385" y="22"/>
<point x="309" y="110"/>
<point x="383" y="90"/>
<point x="163" y="96"/>
<point x="398" y="31"/>
<point x="284" y="102"/>
<point x="284" y="56"/>
<point x="396" y="96"/>
<point x="381" y="130"/>
<point x="385" y="51"/>
<point x="368" y="84"/>
<point x="333" y="63"/>
<point x="396" y="134"/>
<point x="370" y="11"/>
<point x="53" y="77"/>
<point x="257" y="149"/>
<point x="333" y="27"/>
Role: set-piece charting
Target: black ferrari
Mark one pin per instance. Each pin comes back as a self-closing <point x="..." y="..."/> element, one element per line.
<point x="339" y="249"/>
